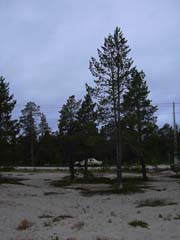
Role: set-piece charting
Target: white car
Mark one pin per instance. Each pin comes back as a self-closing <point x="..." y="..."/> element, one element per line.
<point x="91" y="162"/>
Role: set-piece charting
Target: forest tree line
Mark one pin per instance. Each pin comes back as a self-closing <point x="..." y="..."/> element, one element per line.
<point x="115" y="122"/>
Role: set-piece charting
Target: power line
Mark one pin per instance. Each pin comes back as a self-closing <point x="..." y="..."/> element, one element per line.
<point x="55" y="106"/>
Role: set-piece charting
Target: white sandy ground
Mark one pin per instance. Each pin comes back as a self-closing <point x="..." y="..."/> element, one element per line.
<point x="104" y="216"/>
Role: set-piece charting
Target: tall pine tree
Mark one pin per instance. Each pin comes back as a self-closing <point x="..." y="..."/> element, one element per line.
<point x="111" y="72"/>
<point x="139" y="112"/>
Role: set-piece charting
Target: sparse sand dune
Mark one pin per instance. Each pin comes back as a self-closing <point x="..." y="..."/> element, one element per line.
<point x="40" y="211"/>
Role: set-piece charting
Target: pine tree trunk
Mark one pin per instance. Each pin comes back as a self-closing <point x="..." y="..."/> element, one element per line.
<point x="32" y="152"/>
<point x="71" y="168"/>
<point x="86" y="168"/>
<point x="119" y="158"/>
<point x="143" y="166"/>
<point x="141" y="157"/>
<point x="71" y="161"/>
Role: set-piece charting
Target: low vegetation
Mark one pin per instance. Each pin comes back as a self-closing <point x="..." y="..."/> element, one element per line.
<point x="106" y="185"/>
<point x="169" y="217"/>
<point x="177" y="217"/>
<point x="55" y="238"/>
<point x="61" y="217"/>
<point x="50" y="193"/>
<point x="55" y="219"/>
<point x="155" y="203"/>
<point x="139" y="223"/>
<point x="6" y="180"/>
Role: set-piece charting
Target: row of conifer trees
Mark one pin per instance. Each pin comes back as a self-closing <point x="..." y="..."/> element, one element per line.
<point x="114" y="122"/>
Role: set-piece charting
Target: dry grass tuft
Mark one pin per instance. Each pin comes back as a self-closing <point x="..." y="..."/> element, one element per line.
<point x="24" y="224"/>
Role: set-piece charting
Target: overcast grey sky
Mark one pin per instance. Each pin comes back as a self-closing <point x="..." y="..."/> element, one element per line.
<point x="46" y="46"/>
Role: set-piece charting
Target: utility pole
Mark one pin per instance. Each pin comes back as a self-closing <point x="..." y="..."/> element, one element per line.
<point x="175" y="136"/>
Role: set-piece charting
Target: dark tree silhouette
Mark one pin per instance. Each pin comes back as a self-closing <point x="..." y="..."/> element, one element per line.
<point x="8" y="127"/>
<point x="43" y="125"/>
<point x="29" y="127"/>
<point x="87" y="127"/>
<point x="68" y="129"/>
<point x="139" y="112"/>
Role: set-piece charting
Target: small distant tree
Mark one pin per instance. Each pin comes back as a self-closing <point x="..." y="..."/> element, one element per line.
<point x="166" y="143"/>
<point x="111" y="72"/>
<point x="8" y="127"/>
<point x="68" y="129"/>
<point x="43" y="125"/>
<point x="29" y="127"/>
<point x="45" y="148"/>
<point x="139" y="112"/>
<point x="68" y="116"/>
